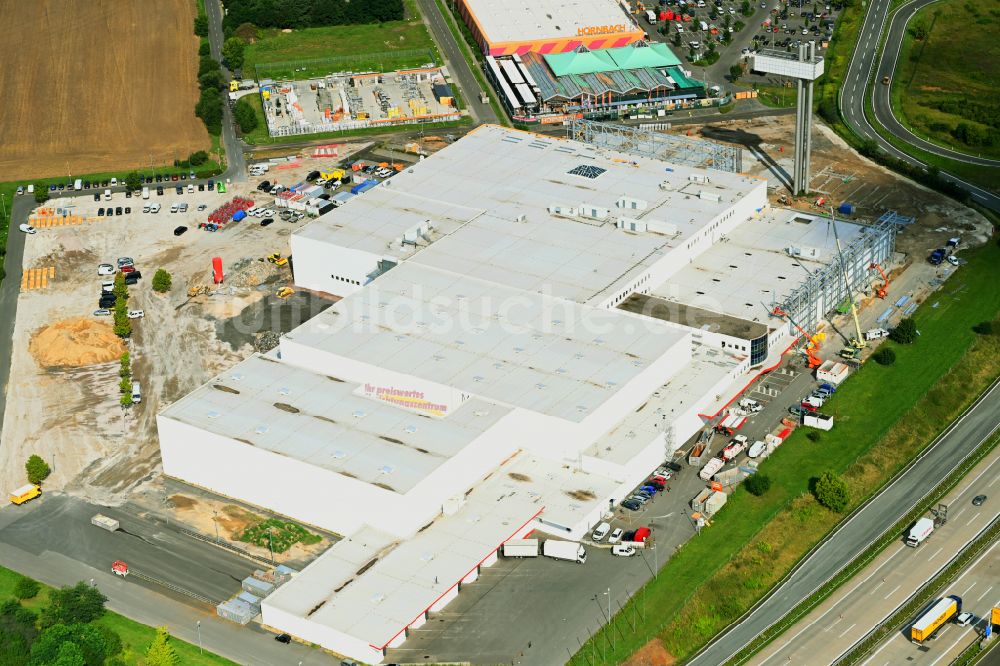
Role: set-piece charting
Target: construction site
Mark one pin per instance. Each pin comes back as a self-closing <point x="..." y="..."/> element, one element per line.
<point x="351" y="100"/>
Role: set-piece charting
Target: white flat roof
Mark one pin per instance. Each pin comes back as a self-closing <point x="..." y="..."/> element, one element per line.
<point x="519" y="348"/>
<point x="409" y="577"/>
<point x="320" y="421"/>
<point x="523" y="20"/>
<point x="752" y="268"/>
<point x="487" y="199"/>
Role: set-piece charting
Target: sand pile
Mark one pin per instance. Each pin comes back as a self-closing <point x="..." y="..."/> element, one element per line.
<point x="74" y="343"/>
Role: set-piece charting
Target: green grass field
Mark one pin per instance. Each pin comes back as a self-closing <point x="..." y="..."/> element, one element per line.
<point x="362" y="47"/>
<point x="778" y="97"/>
<point x="884" y="415"/>
<point x="135" y="636"/>
<point x="957" y="63"/>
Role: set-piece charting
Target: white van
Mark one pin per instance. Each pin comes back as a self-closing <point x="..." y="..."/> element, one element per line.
<point x="145" y="193"/>
<point x="651" y="16"/>
<point x="876" y="334"/>
<point x="600" y="532"/>
<point x="154" y="208"/>
<point x="174" y="208"/>
<point x="136" y="392"/>
<point x="78" y="184"/>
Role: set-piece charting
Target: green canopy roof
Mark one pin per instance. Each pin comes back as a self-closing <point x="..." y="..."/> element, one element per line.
<point x="635" y="56"/>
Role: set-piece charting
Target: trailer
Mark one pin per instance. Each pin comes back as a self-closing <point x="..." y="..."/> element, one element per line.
<point x="734" y="448"/>
<point x="934" y="618"/>
<point x="817" y="420"/>
<point x="833" y="372"/>
<point x="25" y="493"/>
<point x="919" y="532"/>
<point x="521" y="548"/>
<point x="570" y="551"/>
<point x="709" y="470"/>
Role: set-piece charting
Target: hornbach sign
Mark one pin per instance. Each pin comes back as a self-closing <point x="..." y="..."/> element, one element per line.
<point x="600" y="30"/>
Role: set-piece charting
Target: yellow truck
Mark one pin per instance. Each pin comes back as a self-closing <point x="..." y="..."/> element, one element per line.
<point x="335" y="174"/>
<point x="934" y="617"/>
<point x="25" y="493"/>
<point x="234" y="86"/>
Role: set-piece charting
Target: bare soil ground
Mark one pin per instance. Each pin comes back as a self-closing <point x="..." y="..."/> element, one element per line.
<point x="97" y="85"/>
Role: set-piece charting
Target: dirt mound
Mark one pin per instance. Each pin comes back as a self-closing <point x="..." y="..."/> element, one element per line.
<point x="75" y="343"/>
<point x="651" y="654"/>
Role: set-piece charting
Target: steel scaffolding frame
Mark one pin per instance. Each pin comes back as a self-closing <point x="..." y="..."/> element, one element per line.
<point x="825" y="289"/>
<point x="667" y="147"/>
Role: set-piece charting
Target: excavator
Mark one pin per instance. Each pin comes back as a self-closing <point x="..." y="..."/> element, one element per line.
<point x="812" y="345"/>
<point x="880" y="291"/>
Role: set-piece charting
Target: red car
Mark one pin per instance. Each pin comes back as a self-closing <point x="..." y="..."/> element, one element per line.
<point x="642" y="534"/>
<point x="808" y="407"/>
<point x="130" y="268"/>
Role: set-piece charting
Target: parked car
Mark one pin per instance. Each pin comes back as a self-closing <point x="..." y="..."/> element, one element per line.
<point x="616" y="536"/>
<point x="283" y="638"/>
<point x="632" y="505"/>
<point x="125" y="261"/>
<point x="600" y="532"/>
<point x="128" y="268"/>
<point x="179" y="189"/>
<point x="105" y="269"/>
<point x="100" y="212"/>
<point x="266" y="221"/>
<point x="102" y="312"/>
<point x="136" y="314"/>
<point x="27" y="228"/>
<point x="622" y="550"/>
<point x="97" y="196"/>
<point x="118" y="210"/>
<point x="796" y="410"/>
<point x="159" y="190"/>
<point x="180" y="231"/>
<point x="265" y="186"/>
<point x="952" y="259"/>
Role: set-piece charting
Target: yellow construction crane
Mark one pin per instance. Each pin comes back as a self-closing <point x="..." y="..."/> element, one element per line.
<point x="859" y="341"/>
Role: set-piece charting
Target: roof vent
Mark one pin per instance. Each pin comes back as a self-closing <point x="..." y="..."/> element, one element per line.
<point x="540" y="386"/>
<point x="212" y="414"/>
<point x="427" y="556"/>
<point x="386" y="469"/>
<point x="339" y="454"/>
<point x="237" y="376"/>
<point x="284" y="390"/>
<point x="410" y="429"/>
<point x="478" y="378"/>
<point x="261" y="429"/>
<point x="360" y="414"/>
<point x="378" y="597"/>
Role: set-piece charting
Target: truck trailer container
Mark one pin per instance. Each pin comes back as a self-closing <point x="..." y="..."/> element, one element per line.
<point x="817" y="420"/>
<point x="570" y="551"/>
<point x="709" y="470"/>
<point x="934" y="618"/>
<point x="919" y="532"/>
<point x="521" y="548"/>
<point x="833" y="372"/>
<point x="102" y="521"/>
<point x="25" y="493"/>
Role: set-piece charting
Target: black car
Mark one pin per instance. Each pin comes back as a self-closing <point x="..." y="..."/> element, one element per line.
<point x="159" y="190"/>
<point x="211" y="184"/>
<point x="266" y="221"/>
<point x="313" y="175"/>
<point x="159" y="178"/>
<point x="265" y="186"/>
<point x="118" y="210"/>
<point x="100" y="212"/>
<point x="107" y="301"/>
<point x="86" y="184"/>
<point x="201" y="187"/>
<point x="183" y="176"/>
<point x="629" y="536"/>
<point x="128" y="194"/>
<point x="631" y="505"/>
<point x="179" y="189"/>
<point x="97" y="197"/>
<point x="105" y="183"/>
<point x="128" y="210"/>
<point x="978" y="500"/>
<point x="133" y="277"/>
<point x="110" y="212"/>
<point x="283" y="638"/>
<point x="179" y="231"/>
<point x="149" y="180"/>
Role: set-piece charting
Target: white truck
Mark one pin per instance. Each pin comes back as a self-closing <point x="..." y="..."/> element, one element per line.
<point x="651" y="17"/>
<point x="145" y="193"/>
<point x="709" y="470"/>
<point x="876" y="334"/>
<point x="919" y="532"/>
<point x="102" y="521"/>
<point x="735" y="447"/>
<point x="570" y="551"/>
<point x="521" y="548"/>
<point x="750" y="406"/>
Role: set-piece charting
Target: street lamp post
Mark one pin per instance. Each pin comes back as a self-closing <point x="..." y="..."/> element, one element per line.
<point x="215" y="519"/>
<point x="269" y="548"/>
<point x="200" y="648"/>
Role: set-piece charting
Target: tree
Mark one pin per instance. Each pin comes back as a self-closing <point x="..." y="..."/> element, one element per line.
<point x="68" y="655"/>
<point x="125" y="365"/>
<point x="160" y="651"/>
<point x="885" y="356"/>
<point x="814" y="436"/>
<point x="120" y="289"/>
<point x="212" y="79"/>
<point x="233" y="52"/>
<point x="207" y="64"/>
<point x="26" y="588"/>
<point x="79" y="604"/>
<point x="201" y="25"/>
<point x="17" y="633"/>
<point x="735" y="72"/>
<point x="197" y="158"/>
<point x="205" y="49"/>
<point x="87" y="638"/>
<point x="41" y="193"/>
<point x="209" y="109"/>
<point x="757" y="484"/>
<point x="745" y="8"/>
<point x="832" y="492"/>
<point x="38" y="470"/>
<point x="986" y="328"/>
<point x="677" y="39"/>
<point x="245" y="116"/>
<point x="247" y="32"/>
<point x="133" y="181"/>
<point x="905" y="332"/>
<point x="122" y="326"/>
<point x="161" y="281"/>
<point x="125" y="385"/>
<point x="126" y="399"/>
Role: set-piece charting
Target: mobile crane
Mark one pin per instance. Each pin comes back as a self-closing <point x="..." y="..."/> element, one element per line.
<point x="859" y="341"/>
<point x="812" y="345"/>
<point x="880" y="290"/>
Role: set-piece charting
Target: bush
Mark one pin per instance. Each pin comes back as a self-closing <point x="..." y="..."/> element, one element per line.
<point x="209" y="109"/>
<point x="201" y="25"/>
<point x="207" y="64"/>
<point x="122" y="326"/>
<point x="233" y="52"/>
<point x="813" y="435"/>
<point x="126" y="399"/>
<point x="125" y="385"/>
<point x="41" y="193"/>
<point x="161" y="281"/>
<point x="986" y="328"/>
<point x="905" y="332"/>
<point x="133" y="181"/>
<point x="197" y="158"/>
<point x="735" y="71"/>
<point x="831" y="491"/>
<point x="245" y="116"/>
<point x="884" y="356"/>
<point x="26" y="588"/>
<point x="38" y="470"/>
<point x="79" y="604"/>
<point x="205" y="49"/>
<point x="757" y="484"/>
<point x="212" y="79"/>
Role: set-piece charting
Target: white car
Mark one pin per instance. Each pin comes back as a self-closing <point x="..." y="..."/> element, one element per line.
<point x="103" y="312"/>
<point x="114" y="182"/>
<point x="601" y="532"/>
<point x="20" y="189"/>
<point x="321" y="182"/>
<point x="136" y="314"/>
<point x="616" y="536"/>
<point x="953" y="260"/>
<point x="252" y="210"/>
<point x="964" y="619"/>
<point x="27" y="228"/>
<point x="622" y="550"/>
<point x="105" y="269"/>
<point x="190" y="188"/>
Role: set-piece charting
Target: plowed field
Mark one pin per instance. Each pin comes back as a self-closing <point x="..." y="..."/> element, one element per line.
<point x="96" y="86"/>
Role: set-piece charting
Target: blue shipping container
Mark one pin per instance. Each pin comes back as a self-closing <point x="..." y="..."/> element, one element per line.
<point x="363" y="186"/>
<point x="846" y="209"/>
<point x="239" y="215"/>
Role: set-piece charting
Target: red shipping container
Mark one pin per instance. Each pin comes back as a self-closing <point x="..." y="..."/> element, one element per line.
<point x="217" y="269"/>
<point x="670" y="16"/>
<point x="664" y="16"/>
<point x="641" y="534"/>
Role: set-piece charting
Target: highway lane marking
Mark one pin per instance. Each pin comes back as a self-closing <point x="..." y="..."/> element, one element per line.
<point x="985" y="593"/>
<point x="973" y="518"/>
<point x="876" y="587"/>
<point x="959" y="512"/>
<point x="936" y="552"/>
<point x="891" y="593"/>
<point x="951" y="647"/>
<point x="970" y="588"/>
<point x="846" y="630"/>
<point x="995" y="478"/>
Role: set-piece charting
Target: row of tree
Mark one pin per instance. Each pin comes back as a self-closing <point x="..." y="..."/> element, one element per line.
<point x="310" y="13"/>
<point x="66" y="632"/>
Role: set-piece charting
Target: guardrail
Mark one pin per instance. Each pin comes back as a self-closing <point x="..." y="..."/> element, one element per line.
<point x="171" y="586"/>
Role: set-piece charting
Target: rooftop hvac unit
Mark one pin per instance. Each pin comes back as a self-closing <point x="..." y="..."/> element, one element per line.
<point x="595" y="212"/>
<point x="630" y="224"/>
<point x="698" y="178"/>
<point x="709" y="196"/>
<point x="633" y="204"/>
<point x="559" y="209"/>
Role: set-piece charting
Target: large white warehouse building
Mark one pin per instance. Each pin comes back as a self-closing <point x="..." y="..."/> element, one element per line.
<point x="529" y="327"/>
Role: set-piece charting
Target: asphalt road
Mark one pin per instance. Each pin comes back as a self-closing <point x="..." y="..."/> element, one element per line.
<point x="234" y="148"/>
<point x="457" y="65"/>
<point x="979" y="591"/>
<point x="857" y="533"/>
<point x="891" y="579"/>
<point x="10" y="287"/>
<point x="859" y="77"/>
